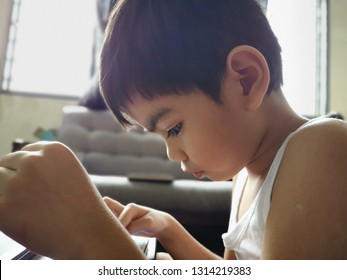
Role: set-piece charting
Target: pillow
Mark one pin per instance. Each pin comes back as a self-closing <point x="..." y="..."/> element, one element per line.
<point x="92" y="98"/>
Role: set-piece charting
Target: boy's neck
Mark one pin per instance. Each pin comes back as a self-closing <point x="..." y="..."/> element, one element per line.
<point x="280" y="120"/>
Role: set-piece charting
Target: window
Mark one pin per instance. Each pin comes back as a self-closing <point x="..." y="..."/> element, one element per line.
<point x="301" y="28"/>
<point x="51" y="47"/>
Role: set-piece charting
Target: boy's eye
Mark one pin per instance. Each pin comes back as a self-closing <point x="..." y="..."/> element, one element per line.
<point x="175" y="130"/>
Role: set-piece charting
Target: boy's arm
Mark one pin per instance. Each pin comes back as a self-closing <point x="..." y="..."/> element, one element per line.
<point x="308" y="214"/>
<point x="181" y="245"/>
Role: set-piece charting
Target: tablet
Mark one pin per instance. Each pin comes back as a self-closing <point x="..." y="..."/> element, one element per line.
<point x="12" y="250"/>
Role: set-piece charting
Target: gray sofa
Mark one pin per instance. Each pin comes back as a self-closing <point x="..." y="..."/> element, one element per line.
<point x="109" y="154"/>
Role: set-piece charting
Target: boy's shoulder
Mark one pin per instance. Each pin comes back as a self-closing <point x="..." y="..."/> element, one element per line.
<point x="318" y="138"/>
<point x="321" y="142"/>
<point x="308" y="204"/>
<point x="318" y="127"/>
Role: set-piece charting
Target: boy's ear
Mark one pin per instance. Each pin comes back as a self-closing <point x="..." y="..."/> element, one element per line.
<point x="248" y="67"/>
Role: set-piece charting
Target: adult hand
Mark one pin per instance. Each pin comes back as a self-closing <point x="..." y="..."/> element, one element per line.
<point x="49" y="204"/>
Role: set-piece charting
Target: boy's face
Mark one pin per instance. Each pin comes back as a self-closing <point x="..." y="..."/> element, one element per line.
<point x="209" y="139"/>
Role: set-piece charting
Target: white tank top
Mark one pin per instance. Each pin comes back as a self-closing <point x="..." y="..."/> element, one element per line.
<point x="245" y="236"/>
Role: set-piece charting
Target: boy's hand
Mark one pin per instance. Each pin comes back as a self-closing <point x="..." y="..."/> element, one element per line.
<point x="48" y="204"/>
<point x="140" y="220"/>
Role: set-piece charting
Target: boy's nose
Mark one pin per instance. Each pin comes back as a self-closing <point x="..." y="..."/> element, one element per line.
<point x="175" y="153"/>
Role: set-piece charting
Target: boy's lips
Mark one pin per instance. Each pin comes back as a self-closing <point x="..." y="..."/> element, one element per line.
<point x="197" y="174"/>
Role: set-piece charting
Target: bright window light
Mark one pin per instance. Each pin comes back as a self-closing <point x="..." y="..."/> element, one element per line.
<point x="295" y="25"/>
<point x="50" y="47"/>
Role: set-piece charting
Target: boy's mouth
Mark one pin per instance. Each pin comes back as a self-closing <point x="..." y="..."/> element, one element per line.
<point x="198" y="174"/>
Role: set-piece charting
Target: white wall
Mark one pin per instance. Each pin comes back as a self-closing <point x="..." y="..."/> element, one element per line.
<point x="338" y="56"/>
<point x="20" y="116"/>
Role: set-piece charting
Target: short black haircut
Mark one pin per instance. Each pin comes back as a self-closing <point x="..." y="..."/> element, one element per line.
<point x="158" y="47"/>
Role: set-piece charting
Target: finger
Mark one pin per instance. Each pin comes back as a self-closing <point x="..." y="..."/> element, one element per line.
<point x="140" y="227"/>
<point x="52" y="150"/>
<point x="5" y="176"/>
<point x="12" y="161"/>
<point x="114" y="205"/>
<point x="130" y="213"/>
<point x="36" y="146"/>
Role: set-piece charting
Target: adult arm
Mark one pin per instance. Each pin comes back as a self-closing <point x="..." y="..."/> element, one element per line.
<point x="49" y="204"/>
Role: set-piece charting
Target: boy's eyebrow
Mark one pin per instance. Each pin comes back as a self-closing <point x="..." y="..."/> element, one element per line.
<point x="155" y="117"/>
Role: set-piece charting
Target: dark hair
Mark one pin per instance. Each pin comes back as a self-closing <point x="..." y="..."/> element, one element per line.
<point x="158" y="47"/>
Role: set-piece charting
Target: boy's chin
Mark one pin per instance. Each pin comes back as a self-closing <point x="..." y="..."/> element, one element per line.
<point x="218" y="178"/>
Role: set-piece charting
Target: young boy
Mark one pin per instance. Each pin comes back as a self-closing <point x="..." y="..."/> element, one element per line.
<point x="205" y="75"/>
